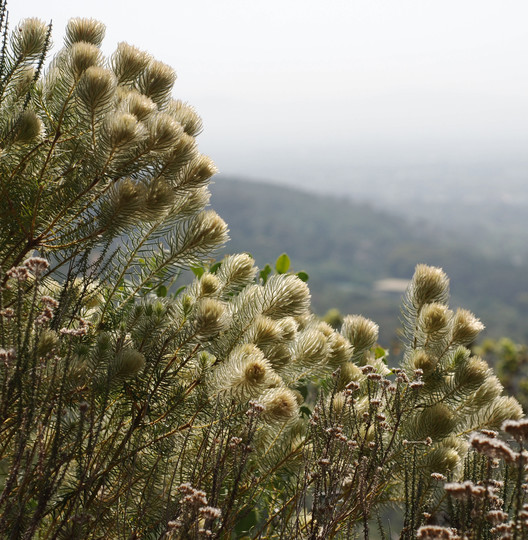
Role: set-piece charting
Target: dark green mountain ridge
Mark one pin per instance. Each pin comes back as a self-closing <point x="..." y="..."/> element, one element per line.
<point x="348" y="247"/>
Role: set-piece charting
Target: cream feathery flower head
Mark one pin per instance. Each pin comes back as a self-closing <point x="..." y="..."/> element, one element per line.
<point x="85" y="30"/>
<point x="280" y="405"/>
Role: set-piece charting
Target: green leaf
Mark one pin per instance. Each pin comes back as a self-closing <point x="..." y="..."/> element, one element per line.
<point x="161" y="291"/>
<point x="283" y="264"/>
<point x="303" y="390"/>
<point x="303" y="276"/>
<point x="305" y="411"/>
<point x="245" y="522"/>
<point x="177" y="293"/>
<point x="265" y="272"/>
<point x="382" y="353"/>
<point x="215" y="267"/>
<point x="198" y="271"/>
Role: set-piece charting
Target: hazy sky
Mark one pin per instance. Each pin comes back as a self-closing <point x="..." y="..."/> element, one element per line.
<point x="290" y="86"/>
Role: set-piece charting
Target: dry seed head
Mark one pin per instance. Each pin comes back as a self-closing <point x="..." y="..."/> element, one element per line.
<point x="186" y="116"/>
<point x="128" y="62"/>
<point x="466" y="327"/>
<point x="29" y="38"/>
<point x="210" y="317"/>
<point x="37" y="265"/>
<point x="493" y="448"/>
<point x="164" y="132"/>
<point x="429" y="284"/>
<point x="287" y="295"/>
<point x="361" y="332"/>
<point x="128" y="363"/>
<point x="82" y="56"/>
<point x="28" y="127"/>
<point x="96" y="88"/>
<point x="87" y="30"/>
<point x="516" y="428"/>
<point x="434" y="532"/>
<point x="280" y="405"/>
<point x="157" y="81"/>
<point x="434" y="318"/>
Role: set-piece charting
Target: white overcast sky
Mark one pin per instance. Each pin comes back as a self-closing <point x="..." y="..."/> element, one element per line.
<point x="312" y="80"/>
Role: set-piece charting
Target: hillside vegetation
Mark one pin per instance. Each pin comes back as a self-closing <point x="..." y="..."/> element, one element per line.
<point x="347" y="247"/>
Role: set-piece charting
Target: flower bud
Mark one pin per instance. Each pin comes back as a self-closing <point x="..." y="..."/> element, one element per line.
<point x="157" y="81"/>
<point x="246" y="373"/>
<point x="435" y="421"/>
<point x="198" y="172"/>
<point x="434" y="318"/>
<point x="164" y="133"/>
<point x="348" y="373"/>
<point x="207" y="232"/>
<point x="139" y="105"/>
<point x="279" y="404"/>
<point x="127" y="364"/>
<point x="84" y="30"/>
<point x="264" y="331"/>
<point x="47" y="342"/>
<point x="470" y="373"/>
<point x="209" y="284"/>
<point x="311" y="348"/>
<point x="28" y="127"/>
<point x="29" y="38"/>
<point x="121" y="130"/>
<point x="340" y="350"/>
<point x="285" y="294"/>
<point x="96" y="88"/>
<point x="186" y="116"/>
<point x="210" y="317"/>
<point x="24" y="80"/>
<point x="501" y="409"/>
<point x="421" y="360"/>
<point x="159" y="198"/>
<point x="429" y="284"/>
<point x="466" y="327"/>
<point x="237" y="270"/>
<point x="82" y="56"/>
<point x="288" y="327"/>
<point x="128" y="62"/>
<point x="361" y="332"/>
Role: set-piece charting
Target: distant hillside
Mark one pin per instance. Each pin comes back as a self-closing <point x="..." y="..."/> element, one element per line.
<point x="347" y="248"/>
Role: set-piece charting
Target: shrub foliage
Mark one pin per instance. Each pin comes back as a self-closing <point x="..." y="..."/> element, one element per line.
<point x="131" y="408"/>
